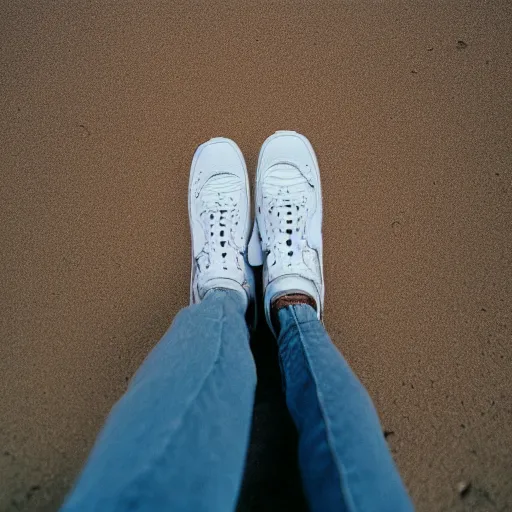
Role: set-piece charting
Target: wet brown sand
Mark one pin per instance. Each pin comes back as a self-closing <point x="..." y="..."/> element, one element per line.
<point x="408" y="107"/>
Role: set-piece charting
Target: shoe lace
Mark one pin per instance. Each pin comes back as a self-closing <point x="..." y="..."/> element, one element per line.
<point x="287" y="214"/>
<point x="219" y="216"/>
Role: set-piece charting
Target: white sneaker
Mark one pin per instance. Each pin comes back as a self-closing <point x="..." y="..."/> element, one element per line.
<point x="289" y="219"/>
<point x="219" y="213"/>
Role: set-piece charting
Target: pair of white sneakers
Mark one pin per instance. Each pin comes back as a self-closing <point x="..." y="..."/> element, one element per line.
<point x="287" y="234"/>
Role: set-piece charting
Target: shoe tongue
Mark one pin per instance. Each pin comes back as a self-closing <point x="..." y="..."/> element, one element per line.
<point x="255" y="251"/>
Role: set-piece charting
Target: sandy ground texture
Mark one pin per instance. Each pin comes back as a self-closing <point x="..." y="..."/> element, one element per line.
<point x="408" y="106"/>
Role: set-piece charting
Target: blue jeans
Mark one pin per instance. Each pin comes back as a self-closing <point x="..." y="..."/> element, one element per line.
<point x="177" y="439"/>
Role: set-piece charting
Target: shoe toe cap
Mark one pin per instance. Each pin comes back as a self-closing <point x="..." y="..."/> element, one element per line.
<point x="286" y="147"/>
<point x="219" y="156"/>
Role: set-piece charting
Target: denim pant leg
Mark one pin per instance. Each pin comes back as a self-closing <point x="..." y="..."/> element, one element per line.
<point x="344" y="460"/>
<point x="177" y="439"/>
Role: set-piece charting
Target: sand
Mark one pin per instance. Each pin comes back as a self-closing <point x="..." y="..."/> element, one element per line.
<point x="408" y="106"/>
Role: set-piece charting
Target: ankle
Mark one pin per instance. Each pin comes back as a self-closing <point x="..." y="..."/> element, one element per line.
<point x="289" y="299"/>
<point x="232" y="287"/>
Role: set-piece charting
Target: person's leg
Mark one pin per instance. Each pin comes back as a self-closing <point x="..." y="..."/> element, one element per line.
<point x="344" y="459"/>
<point x="177" y="439"/>
<point x="345" y="463"/>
